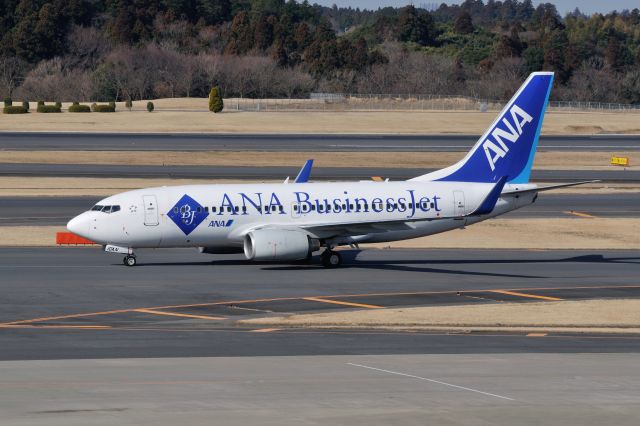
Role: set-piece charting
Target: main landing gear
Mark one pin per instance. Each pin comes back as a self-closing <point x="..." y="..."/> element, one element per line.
<point x="331" y="259"/>
<point x="129" y="260"/>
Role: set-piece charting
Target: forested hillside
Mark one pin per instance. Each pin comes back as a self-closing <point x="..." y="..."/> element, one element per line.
<point x="137" y="49"/>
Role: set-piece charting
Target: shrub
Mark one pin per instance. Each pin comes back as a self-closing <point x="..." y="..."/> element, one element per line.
<point x="150" y="106"/>
<point x="59" y="105"/>
<point x="216" y="103"/>
<point x="40" y="103"/>
<point x="14" y="110"/>
<point x="76" y="107"/>
<point x="25" y="105"/>
<point x="113" y="105"/>
<point x="48" y="108"/>
<point x="128" y="104"/>
<point x="8" y="102"/>
<point x="93" y="106"/>
<point x="104" y="108"/>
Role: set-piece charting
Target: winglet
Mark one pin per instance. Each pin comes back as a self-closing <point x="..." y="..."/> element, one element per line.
<point x="490" y="201"/>
<point x="305" y="172"/>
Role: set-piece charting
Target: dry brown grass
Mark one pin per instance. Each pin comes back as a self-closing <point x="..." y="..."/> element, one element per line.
<point x="383" y="122"/>
<point x="427" y="160"/>
<point x="577" y="316"/>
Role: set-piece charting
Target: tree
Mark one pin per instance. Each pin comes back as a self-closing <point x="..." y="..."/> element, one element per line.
<point x="416" y="27"/>
<point x="463" y="23"/>
<point x="216" y="104"/>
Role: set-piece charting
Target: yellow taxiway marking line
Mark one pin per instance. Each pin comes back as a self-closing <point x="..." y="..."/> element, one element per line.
<point x="175" y="314"/>
<point x="265" y="330"/>
<point x="536" y="334"/>
<point x="339" y="302"/>
<point x="588" y="216"/>
<point x="532" y="296"/>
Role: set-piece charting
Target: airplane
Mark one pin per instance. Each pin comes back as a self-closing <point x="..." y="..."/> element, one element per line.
<point x="284" y="222"/>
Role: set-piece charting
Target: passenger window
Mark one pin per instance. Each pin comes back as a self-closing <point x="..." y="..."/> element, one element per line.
<point x="213" y="209"/>
<point x="244" y="209"/>
<point x="295" y="208"/>
<point x="236" y="209"/>
<point x="175" y="210"/>
<point x="206" y="209"/>
<point x="199" y="209"/>
<point x="432" y="205"/>
<point x="313" y="207"/>
<point x="229" y="209"/>
<point x="281" y="209"/>
<point x="350" y="206"/>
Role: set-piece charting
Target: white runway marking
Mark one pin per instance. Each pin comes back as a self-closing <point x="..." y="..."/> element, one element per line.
<point x="431" y="380"/>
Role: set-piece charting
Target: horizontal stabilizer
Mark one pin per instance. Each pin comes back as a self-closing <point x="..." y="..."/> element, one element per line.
<point x="550" y="187"/>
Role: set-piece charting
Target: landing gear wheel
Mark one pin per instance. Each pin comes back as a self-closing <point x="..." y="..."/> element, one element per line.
<point x="129" y="260"/>
<point x="331" y="259"/>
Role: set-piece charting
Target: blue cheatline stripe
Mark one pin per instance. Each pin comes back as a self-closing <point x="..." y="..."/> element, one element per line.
<point x="523" y="177"/>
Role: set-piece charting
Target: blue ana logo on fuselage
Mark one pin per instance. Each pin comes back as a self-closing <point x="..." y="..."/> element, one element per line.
<point x="496" y="149"/>
<point x="220" y="223"/>
<point x="188" y="214"/>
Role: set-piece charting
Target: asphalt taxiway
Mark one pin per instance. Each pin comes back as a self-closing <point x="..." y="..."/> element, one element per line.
<point x="28" y="141"/>
<point x="64" y="303"/>
<point x="58" y="210"/>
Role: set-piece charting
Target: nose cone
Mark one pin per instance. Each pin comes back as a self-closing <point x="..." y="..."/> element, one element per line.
<point x="79" y="225"/>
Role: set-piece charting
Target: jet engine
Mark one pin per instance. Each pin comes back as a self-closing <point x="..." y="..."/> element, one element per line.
<point x="279" y="244"/>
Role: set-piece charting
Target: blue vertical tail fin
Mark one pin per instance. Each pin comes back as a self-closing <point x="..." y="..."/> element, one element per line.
<point x="508" y="146"/>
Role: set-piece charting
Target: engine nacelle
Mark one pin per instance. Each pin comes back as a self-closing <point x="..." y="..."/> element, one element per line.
<point x="278" y="244"/>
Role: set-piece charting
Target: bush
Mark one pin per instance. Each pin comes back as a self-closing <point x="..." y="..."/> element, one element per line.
<point x="48" y="108"/>
<point x="8" y="102"/>
<point x="216" y="103"/>
<point x="59" y="105"/>
<point x="76" y="107"/>
<point x="25" y="105"/>
<point x="150" y="106"/>
<point x="104" y="108"/>
<point x="93" y="106"/>
<point x="128" y="104"/>
<point x="113" y="105"/>
<point x="40" y="103"/>
<point x="14" y="110"/>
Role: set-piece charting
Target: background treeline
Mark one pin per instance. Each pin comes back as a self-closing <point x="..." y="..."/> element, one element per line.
<point x="105" y="50"/>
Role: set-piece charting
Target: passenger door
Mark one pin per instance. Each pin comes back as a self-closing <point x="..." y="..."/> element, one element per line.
<point x="150" y="210"/>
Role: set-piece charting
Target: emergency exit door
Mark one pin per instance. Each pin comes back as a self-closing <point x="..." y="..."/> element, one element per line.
<point x="150" y="210"/>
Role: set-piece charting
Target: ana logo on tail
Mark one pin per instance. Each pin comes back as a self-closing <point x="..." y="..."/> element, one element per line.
<point x="497" y="149"/>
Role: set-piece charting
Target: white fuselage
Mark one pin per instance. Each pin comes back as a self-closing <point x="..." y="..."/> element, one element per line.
<point x="219" y="216"/>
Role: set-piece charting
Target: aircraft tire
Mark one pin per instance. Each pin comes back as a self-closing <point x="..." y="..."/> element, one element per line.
<point x="130" y="261"/>
<point x="331" y="259"/>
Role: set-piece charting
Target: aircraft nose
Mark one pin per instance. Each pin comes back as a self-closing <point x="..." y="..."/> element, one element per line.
<point x="79" y="225"/>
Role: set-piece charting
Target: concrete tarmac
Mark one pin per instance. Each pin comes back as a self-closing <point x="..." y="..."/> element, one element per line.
<point x="63" y="303"/>
<point x="58" y="210"/>
<point x="280" y="173"/>
<point x="28" y="141"/>
<point x="451" y="389"/>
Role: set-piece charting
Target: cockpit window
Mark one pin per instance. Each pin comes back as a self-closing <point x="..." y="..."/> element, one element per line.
<point x="105" y="209"/>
